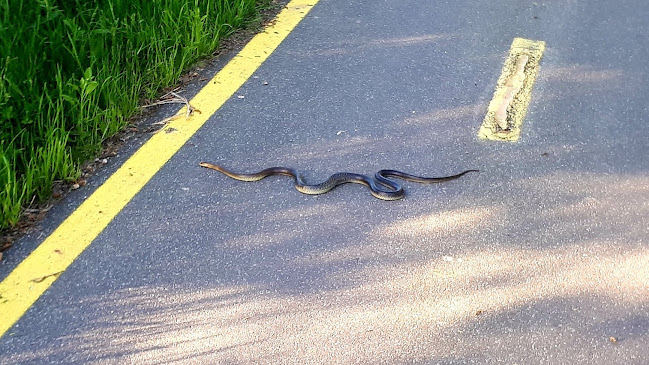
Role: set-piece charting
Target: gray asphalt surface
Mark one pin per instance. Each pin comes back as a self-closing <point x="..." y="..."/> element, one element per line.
<point x="540" y="258"/>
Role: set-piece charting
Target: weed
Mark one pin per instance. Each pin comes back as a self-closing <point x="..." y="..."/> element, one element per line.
<point x="72" y="73"/>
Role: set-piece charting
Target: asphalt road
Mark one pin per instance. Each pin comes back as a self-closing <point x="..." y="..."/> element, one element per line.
<point x="542" y="257"/>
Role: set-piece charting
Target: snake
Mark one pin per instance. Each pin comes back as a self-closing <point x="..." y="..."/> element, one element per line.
<point x="381" y="186"/>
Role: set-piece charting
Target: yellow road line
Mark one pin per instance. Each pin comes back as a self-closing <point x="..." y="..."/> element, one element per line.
<point x="513" y="92"/>
<point x="34" y="275"/>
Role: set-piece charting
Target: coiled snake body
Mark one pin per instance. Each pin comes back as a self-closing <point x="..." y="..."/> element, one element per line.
<point x="380" y="186"/>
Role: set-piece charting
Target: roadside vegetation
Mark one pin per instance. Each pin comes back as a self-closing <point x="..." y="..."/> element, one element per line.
<point x="72" y="73"/>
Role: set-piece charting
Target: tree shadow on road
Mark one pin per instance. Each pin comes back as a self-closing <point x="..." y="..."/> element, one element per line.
<point x="546" y="246"/>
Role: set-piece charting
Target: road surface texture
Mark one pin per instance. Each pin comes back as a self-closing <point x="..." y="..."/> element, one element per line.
<point x="542" y="257"/>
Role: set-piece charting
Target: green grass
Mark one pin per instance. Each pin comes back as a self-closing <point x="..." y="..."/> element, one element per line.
<point x="72" y="73"/>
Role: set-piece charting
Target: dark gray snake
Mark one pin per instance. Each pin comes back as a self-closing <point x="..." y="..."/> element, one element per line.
<point x="381" y="187"/>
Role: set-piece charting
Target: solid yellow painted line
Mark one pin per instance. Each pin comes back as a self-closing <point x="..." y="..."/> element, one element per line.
<point x="40" y="269"/>
<point x="513" y="92"/>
